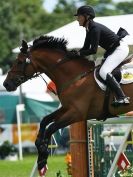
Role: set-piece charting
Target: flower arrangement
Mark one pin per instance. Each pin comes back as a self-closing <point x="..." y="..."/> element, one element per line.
<point x="128" y="172"/>
<point x="68" y="160"/>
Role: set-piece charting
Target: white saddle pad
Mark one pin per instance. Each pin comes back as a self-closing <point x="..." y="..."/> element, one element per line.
<point x="126" y="73"/>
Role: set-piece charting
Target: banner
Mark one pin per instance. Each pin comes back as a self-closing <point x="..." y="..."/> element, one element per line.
<point x="9" y="132"/>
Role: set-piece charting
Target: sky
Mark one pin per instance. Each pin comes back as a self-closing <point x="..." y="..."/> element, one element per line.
<point x="50" y="4"/>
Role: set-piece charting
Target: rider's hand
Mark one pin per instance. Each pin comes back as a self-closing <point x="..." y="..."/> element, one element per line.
<point x="73" y="53"/>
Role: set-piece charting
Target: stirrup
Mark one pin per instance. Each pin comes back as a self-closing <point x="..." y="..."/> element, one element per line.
<point x="121" y="101"/>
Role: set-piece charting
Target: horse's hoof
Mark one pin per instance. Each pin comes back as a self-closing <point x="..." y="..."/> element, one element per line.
<point x="43" y="171"/>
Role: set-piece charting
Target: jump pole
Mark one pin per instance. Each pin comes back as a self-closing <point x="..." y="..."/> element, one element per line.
<point x="126" y="119"/>
<point x="79" y="149"/>
<point x="115" y="120"/>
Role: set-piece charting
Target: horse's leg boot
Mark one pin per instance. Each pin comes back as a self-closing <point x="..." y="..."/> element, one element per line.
<point x="115" y="86"/>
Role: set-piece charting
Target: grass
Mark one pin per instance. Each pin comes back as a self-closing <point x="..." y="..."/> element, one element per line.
<point x="23" y="168"/>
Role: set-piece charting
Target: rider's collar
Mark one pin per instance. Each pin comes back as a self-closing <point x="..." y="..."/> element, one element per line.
<point x="87" y="26"/>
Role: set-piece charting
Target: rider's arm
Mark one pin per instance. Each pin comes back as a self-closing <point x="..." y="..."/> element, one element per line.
<point x="92" y="40"/>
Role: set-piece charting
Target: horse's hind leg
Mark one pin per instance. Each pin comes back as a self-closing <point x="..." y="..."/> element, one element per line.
<point x="66" y="119"/>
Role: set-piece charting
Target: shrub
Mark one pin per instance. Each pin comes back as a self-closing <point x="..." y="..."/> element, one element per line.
<point x="7" y="148"/>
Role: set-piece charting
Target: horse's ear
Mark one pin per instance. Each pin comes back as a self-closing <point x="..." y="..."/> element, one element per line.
<point x="24" y="44"/>
<point x="24" y="47"/>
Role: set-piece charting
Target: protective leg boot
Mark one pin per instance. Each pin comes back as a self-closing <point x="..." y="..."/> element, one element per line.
<point x="116" y="88"/>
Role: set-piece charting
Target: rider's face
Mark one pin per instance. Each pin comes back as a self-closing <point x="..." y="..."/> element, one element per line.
<point x="81" y="20"/>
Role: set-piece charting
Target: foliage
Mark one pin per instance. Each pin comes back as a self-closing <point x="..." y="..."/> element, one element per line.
<point x="102" y="7"/>
<point x="125" y="7"/>
<point x="127" y="173"/>
<point x="108" y="7"/>
<point x="66" y="7"/>
<point x="6" y="148"/>
<point x="25" y="19"/>
<point x="17" y="19"/>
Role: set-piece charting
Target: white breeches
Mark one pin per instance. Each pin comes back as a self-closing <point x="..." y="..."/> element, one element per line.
<point x="113" y="60"/>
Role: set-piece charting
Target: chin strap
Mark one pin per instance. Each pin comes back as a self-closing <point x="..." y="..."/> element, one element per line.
<point x="84" y="24"/>
<point x="87" y="18"/>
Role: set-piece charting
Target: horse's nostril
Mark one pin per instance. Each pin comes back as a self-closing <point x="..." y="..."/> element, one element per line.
<point x="9" y="86"/>
<point x="5" y="84"/>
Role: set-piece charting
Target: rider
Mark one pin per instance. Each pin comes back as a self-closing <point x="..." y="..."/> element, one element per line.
<point x="116" y="49"/>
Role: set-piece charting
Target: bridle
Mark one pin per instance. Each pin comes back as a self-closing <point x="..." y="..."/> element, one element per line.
<point x="23" y="77"/>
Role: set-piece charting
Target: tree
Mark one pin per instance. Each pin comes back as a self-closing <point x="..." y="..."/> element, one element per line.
<point x="102" y="7"/>
<point x="23" y="17"/>
<point x="125" y="7"/>
<point x="65" y="10"/>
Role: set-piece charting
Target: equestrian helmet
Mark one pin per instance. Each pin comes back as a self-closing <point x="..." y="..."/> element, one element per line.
<point x="86" y="10"/>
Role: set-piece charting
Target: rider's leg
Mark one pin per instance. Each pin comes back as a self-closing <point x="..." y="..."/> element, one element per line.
<point x="115" y="86"/>
<point x="109" y="65"/>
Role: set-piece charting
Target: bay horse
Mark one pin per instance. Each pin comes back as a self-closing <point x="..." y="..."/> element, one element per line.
<point x="80" y="96"/>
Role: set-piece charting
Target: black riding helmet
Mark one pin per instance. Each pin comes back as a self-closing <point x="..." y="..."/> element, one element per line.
<point x="86" y="10"/>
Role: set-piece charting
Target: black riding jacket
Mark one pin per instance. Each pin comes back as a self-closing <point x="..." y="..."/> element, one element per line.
<point x="98" y="35"/>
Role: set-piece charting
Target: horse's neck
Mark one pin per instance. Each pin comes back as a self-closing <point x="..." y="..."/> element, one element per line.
<point x="70" y="69"/>
<point x="66" y="71"/>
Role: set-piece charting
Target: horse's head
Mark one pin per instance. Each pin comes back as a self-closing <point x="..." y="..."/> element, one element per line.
<point x="31" y="61"/>
<point x="22" y="69"/>
<point x="47" y="55"/>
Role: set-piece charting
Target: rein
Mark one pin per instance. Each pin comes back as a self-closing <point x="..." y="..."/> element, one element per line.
<point x="67" y="84"/>
<point x="39" y="75"/>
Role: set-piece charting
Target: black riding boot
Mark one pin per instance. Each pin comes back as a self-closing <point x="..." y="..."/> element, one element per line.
<point x="116" y="88"/>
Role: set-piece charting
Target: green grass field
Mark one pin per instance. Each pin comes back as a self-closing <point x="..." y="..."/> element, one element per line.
<point x="23" y="168"/>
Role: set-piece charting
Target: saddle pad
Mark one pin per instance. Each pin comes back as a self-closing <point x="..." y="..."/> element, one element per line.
<point x="126" y="76"/>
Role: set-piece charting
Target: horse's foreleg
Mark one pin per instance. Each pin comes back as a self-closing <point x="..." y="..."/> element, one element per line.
<point x="46" y="121"/>
<point x="42" y="141"/>
<point x="66" y="119"/>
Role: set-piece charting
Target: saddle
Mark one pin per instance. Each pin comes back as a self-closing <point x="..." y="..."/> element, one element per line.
<point x="122" y="73"/>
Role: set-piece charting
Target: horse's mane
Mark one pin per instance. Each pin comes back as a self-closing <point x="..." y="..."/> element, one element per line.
<point x="50" y="42"/>
<point x="54" y="43"/>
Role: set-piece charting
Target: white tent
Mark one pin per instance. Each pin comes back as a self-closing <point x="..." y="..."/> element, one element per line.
<point x="76" y="34"/>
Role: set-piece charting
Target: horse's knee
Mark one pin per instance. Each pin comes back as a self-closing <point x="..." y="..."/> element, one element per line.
<point x="41" y="144"/>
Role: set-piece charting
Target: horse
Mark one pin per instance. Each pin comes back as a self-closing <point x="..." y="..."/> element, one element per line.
<point x="80" y="96"/>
